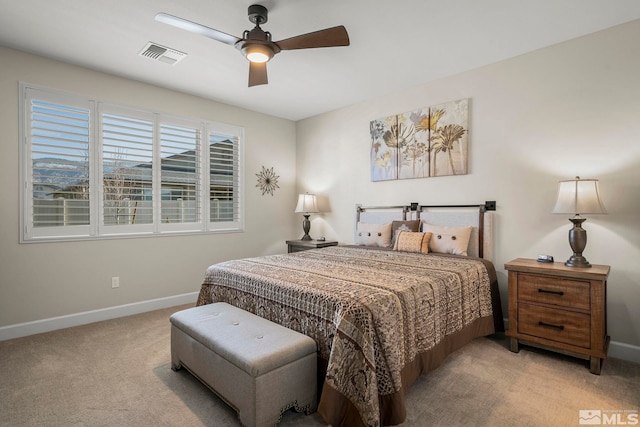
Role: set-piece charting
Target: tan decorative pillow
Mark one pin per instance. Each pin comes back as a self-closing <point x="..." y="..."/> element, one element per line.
<point x="410" y="241"/>
<point x="373" y="234"/>
<point x="396" y="226"/>
<point x="448" y="240"/>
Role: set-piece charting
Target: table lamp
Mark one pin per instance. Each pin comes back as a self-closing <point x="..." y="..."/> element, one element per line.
<point x="578" y="196"/>
<point x="306" y="205"/>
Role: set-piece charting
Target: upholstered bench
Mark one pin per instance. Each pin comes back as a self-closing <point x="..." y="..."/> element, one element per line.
<point x="259" y="368"/>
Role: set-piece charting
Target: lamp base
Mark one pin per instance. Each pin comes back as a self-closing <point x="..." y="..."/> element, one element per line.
<point x="306" y="226"/>
<point x="577" y="261"/>
<point x="577" y="241"/>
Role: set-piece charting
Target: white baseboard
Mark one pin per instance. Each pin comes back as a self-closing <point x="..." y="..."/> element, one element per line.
<point x="623" y="351"/>
<point x="619" y="350"/>
<point x="46" y="325"/>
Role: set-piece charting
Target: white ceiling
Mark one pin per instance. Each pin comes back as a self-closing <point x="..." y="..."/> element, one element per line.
<point x="394" y="44"/>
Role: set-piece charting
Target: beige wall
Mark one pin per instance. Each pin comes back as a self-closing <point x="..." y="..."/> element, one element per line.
<point x="44" y="280"/>
<point x="571" y="109"/>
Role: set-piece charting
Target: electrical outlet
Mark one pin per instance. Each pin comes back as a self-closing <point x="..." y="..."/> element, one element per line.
<point x="115" y="282"/>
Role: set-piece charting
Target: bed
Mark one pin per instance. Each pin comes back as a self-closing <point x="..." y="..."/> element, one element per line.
<point x="380" y="317"/>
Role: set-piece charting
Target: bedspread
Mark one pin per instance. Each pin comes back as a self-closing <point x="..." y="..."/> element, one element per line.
<point x="375" y="316"/>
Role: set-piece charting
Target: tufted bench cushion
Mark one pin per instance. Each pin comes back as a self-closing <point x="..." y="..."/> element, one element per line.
<point x="258" y="367"/>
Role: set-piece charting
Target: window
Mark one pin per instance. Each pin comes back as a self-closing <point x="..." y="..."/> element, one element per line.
<point x="180" y="173"/>
<point x="91" y="169"/>
<point x="223" y="177"/>
<point x="60" y="164"/>
<point x="127" y="169"/>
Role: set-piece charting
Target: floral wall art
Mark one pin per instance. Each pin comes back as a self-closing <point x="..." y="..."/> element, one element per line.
<point x="431" y="141"/>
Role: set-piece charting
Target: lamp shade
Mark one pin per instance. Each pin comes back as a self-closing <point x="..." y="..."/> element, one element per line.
<point x="579" y="196"/>
<point x="306" y="204"/>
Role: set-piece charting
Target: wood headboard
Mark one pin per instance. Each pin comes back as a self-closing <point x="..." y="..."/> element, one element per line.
<point x="478" y="216"/>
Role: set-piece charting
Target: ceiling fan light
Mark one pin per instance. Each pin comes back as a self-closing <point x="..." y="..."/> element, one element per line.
<point x="258" y="53"/>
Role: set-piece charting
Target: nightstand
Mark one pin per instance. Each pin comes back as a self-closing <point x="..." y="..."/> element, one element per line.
<point x="559" y="308"/>
<point x="305" y="245"/>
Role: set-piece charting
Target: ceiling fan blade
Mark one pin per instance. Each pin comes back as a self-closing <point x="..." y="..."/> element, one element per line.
<point x="257" y="73"/>
<point x="197" y="28"/>
<point x="329" y="37"/>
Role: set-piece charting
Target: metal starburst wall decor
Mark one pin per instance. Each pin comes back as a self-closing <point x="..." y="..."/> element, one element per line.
<point x="267" y="180"/>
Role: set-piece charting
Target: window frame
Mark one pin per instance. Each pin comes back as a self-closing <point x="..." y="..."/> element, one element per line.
<point x="97" y="229"/>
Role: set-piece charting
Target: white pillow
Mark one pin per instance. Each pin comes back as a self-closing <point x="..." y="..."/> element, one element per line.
<point x="373" y="234"/>
<point x="448" y="240"/>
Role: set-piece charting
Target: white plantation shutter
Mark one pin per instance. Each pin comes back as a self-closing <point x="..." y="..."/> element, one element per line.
<point x="90" y="169"/>
<point x="180" y="174"/>
<point x="55" y="165"/>
<point x="224" y="177"/>
<point x="127" y="170"/>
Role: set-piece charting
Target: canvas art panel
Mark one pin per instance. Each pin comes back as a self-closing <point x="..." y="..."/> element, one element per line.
<point x="413" y="144"/>
<point x="449" y="138"/>
<point x="384" y="149"/>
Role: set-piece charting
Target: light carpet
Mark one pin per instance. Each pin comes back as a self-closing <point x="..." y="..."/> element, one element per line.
<point x="117" y="373"/>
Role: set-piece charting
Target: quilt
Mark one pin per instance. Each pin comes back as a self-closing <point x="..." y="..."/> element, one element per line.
<point x="380" y="318"/>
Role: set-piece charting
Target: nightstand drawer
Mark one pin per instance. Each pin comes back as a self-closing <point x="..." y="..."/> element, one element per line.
<point x="552" y="290"/>
<point x="553" y="324"/>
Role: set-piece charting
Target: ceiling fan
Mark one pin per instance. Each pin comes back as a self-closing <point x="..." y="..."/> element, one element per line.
<point x="256" y="45"/>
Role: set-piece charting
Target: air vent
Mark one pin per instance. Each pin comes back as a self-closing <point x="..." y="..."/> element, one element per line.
<point x="162" y="53"/>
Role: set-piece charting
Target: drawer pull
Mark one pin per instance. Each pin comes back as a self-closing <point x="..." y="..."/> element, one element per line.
<point x="546" y="291"/>
<point x="550" y="325"/>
